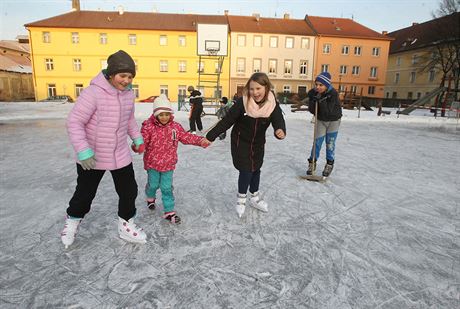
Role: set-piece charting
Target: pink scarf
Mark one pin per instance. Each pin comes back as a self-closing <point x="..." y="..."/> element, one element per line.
<point x="262" y="110"/>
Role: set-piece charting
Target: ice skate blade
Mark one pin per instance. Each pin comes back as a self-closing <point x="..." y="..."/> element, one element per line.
<point x="128" y="239"/>
<point x="316" y="178"/>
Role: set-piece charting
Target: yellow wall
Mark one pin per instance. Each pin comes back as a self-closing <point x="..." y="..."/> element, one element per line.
<point x="147" y="53"/>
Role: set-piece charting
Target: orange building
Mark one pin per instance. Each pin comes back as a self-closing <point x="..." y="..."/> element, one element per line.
<point x="354" y="55"/>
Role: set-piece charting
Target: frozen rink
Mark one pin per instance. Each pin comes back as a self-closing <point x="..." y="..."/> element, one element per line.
<point x="382" y="232"/>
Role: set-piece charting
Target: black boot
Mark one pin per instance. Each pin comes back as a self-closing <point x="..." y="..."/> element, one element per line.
<point x="328" y="168"/>
<point x="311" y="167"/>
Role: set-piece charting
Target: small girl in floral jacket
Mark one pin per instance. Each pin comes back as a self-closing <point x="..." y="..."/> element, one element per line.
<point x="161" y="138"/>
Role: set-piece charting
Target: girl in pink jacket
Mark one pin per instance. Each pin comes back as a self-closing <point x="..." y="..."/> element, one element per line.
<point x="98" y="127"/>
<point x="161" y="137"/>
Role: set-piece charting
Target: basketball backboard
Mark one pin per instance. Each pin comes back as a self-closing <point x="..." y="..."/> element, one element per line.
<point x="212" y="39"/>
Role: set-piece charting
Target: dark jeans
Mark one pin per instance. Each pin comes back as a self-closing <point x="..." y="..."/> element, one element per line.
<point x="195" y="117"/>
<point x="87" y="183"/>
<point x="248" y="179"/>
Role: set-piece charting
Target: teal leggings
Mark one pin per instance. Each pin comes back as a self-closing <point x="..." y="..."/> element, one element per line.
<point x="162" y="180"/>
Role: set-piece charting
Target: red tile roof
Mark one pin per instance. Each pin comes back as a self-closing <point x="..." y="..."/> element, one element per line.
<point x="269" y="25"/>
<point x="342" y="27"/>
<point x="128" y="20"/>
<point x="15" y="63"/>
<point x="15" y="45"/>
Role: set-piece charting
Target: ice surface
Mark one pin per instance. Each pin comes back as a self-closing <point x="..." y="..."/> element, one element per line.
<point x="382" y="232"/>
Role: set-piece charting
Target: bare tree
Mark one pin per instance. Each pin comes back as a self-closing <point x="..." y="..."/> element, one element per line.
<point x="446" y="7"/>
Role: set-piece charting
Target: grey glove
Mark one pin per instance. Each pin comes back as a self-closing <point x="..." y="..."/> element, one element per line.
<point x="89" y="163"/>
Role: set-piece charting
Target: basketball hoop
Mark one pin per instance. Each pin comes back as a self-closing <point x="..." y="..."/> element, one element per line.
<point x="212" y="51"/>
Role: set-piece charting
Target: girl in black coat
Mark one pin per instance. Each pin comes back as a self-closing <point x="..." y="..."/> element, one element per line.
<point x="250" y="116"/>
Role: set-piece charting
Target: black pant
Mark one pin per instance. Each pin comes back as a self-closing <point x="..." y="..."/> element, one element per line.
<point x="87" y="183"/>
<point x="195" y="117"/>
<point x="248" y="179"/>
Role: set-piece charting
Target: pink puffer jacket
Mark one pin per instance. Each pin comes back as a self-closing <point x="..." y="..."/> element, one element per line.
<point x="161" y="142"/>
<point x="100" y="122"/>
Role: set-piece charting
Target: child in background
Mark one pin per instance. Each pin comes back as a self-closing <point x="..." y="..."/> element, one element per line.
<point x="250" y="117"/>
<point x="98" y="126"/>
<point x="222" y="112"/>
<point x="161" y="137"/>
<point x="196" y="103"/>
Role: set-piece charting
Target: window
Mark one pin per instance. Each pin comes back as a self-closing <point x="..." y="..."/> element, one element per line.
<point x="218" y="92"/>
<point x="394" y="95"/>
<point x="371" y="90"/>
<point x="357" y="50"/>
<point x="273" y="41"/>
<point x="341" y="88"/>
<point x="132" y="39"/>
<point x="387" y="95"/>
<point x="419" y="95"/>
<point x="345" y="49"/>
<point x="414" y="59"/>
<point x="51" y="90"/>
<point x="164" y="89"/>
<point x="103" y="38"/>
<point x="412" y="77"/>
<point x="302" y="90"/>
<point x="431" y="75"/>
<point x="303" y="67"/>
<point x="288" y="67"/>
<point x="373" y="72"/>
<point x="182" y="41"/>
<point x="286" y="89"/>
<point x="46" y="36"/>
<point x="326" y="48"/>
<point x="409" y="95"/>
<point x="135" y="65"/>
<point x="272" y="64"/>
<point x="289" y="42"/>
<point x="49" y="65"/>
<point x="256" y="65"/>
<point x="163" y="40"/>
<point x="355" y="70"/>
<point x="163" y="65"/>
<point x="182" y="66"/>
<point x="200" y="66"/>
<point x="135" y="90"/>
<point x="77" y="65"/>
<point x="103" y="64"/>
<point x="241" y="40"/>
<point x="78" y="89"/>
<point x="376" y="51"/>
<point x="396" y="77"/>
<point x="304" y="43"/>
<point x="75" y="38"/>
<point x="353" y="89"/>
<point x="182" y="89"/>
<point x="240" y="65"/>
<point x="398" y="61"/>
<point x="325" y="68"/>
<point x="257" y="41"/>
<point x="343" y="69"/>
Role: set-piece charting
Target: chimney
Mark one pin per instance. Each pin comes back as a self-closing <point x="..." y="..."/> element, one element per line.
<point x="414" y="24"/>
<point x="75" y="5"/>
<point x="286" y="16"/>
<point x="256" y="15"/>
<point x="384" y="32"/>
<point x="121" y="10"/>
<point x="226" y="12"/>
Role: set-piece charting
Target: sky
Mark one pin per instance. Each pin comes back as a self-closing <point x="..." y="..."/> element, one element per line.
<point x="379" y="15"/>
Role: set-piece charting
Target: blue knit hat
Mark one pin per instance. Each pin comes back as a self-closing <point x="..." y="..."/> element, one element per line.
<point x="325" y="79"/>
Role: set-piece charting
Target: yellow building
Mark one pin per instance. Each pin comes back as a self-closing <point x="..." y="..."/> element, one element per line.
<point x="70" y="49"/>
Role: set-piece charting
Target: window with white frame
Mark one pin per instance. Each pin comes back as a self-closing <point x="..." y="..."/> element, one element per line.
<point x="103" y="38"/>
<point x="135" y="89"/>
<point x="256" y="65"/>
<point x="302" y="89"/>
<point x="241" y="40"/>
<point x="289" y="42"/>
<point x="132" y="39"/>
<point x="51" y="89"/>
<point x="326" y="48"/>
<point x="287" y="89"/>
<point x="396" y="80"/>
<point x="353" y="89"/>
<point x="414" y="59"/>
<point x="135" y="65"/>
<point x="181" y="41"/>
<point x="303" y="67"/>
<point x="78" y="89"/>
<point x="341" y="88"/>
<point x="240" y="65"/>
<point x="46" y="37"/>
<point x="200" y="66"/>
<point x="376" y="51"/>
<point x="345" y="49"/>
<point x="398" y="61"/>
<point x="325" y="68"/>
<point x="163" y="40"/>
<point x="75" y="38"/>
<point x="355" y="70"/>
<point x="182" y="90"/>
<point x="272" y="64"/>
<point x="77" y="65"/>
<point x="373" y="72"/>
<point x="431" y="75"/>
<point x="182" y="66"/>
<point x="164" y="89"/>
<point x="273" y="41"/>
<point x="163" y="65"/>
<point x="409" y="95"/>
<point x="371" y="90"/>
<point x="257" y="41"/>
<point x="343" y="69"/>
<point x="419" y="95"/>
<point x="103" y="64"/>
<point x="358" y="50"/>
<point x="49" y="64"/>
<point x="287" y="67"/>
<point x="304" y="43"/>
<point x="412" y="77"/>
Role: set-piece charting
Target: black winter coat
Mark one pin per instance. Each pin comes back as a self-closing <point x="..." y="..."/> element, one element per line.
<point x="196" y="98"/>
<point x="329" y="107"/>
<point x="248" y="135"/>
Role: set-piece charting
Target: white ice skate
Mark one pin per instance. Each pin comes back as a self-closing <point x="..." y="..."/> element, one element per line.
<point x="69" y="231"/>
<point x="257" y="202"/>
<point x="241" y="204"/>
<point x="130" y="232"/>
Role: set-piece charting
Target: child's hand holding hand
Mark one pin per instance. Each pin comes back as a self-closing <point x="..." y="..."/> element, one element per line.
<point x="280" y="134"/>
<point x="205" y="142"/>
<point x="138" y="149"/>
